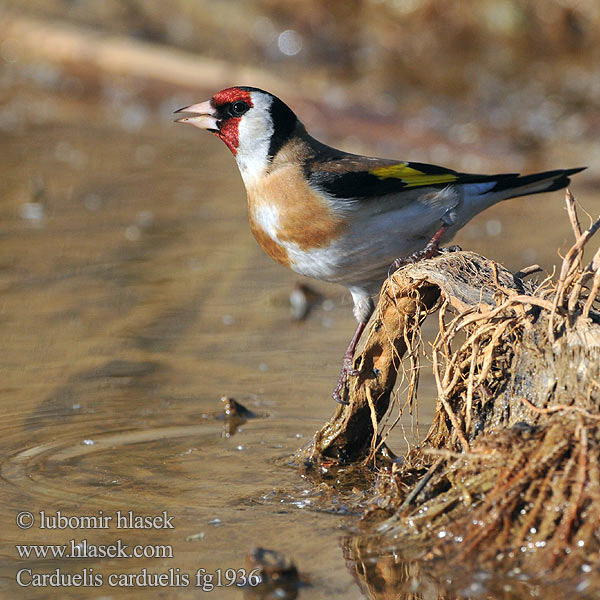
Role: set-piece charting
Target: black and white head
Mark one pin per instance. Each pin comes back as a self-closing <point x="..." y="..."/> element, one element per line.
<point x="253" y="123"/>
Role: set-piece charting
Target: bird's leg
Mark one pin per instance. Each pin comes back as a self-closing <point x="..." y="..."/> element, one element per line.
<point x="431" y="249"/>
<point x="347" y="366"/>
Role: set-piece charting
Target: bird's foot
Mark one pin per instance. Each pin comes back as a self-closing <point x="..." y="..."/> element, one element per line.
<point x="453" y="248"/>
<point x="348" y="370"/>
<point x="431" y="249"/>
<point x="415" y="257"/>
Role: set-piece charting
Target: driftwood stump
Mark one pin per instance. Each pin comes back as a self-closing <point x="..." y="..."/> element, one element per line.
<point x="464" y="280"/>
<point x="509" y="472"/>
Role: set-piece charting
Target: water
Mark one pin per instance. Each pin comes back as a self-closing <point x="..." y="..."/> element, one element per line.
<point x="132" y="298"/>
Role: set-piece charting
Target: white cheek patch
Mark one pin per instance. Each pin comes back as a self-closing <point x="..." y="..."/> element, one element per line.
<point x="254" y="133"/>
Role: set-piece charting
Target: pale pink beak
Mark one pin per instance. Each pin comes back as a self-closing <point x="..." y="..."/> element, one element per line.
<point x="201" y="115"/>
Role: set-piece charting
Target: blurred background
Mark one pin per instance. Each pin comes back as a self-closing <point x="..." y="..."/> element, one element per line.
<point x="459" y="82"/>
<point x="133" y="295"/>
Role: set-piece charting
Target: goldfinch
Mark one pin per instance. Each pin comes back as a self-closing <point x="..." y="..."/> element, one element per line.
<point x="340" y="217"/>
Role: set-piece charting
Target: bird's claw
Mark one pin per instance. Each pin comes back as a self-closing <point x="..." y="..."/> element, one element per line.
<point x="431" y="249"/>
<point x="348" y="370"/>
<point x="415" y="257"/>
<point x="453" y="248"/>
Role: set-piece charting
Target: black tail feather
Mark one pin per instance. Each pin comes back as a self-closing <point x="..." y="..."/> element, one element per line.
<point x="557" y="180"/>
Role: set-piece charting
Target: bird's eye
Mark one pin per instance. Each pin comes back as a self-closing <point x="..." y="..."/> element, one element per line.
<point x="239" y="108"/>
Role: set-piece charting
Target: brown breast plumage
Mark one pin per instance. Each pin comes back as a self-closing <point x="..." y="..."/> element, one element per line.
<point x="282" y="207"/>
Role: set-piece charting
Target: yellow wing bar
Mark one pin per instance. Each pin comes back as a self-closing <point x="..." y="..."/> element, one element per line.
<point x="412" y="177"/>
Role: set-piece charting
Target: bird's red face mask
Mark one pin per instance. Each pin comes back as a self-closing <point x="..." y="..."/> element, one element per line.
<point x="220" y="115"/>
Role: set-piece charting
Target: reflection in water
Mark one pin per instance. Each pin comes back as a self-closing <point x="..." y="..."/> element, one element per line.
<point x="234" y="416"/>
<point x="383" y="573"/>
<point x="279" y="577"/>
<point x="383" y="577"/>
<point x="133" y="298"/>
